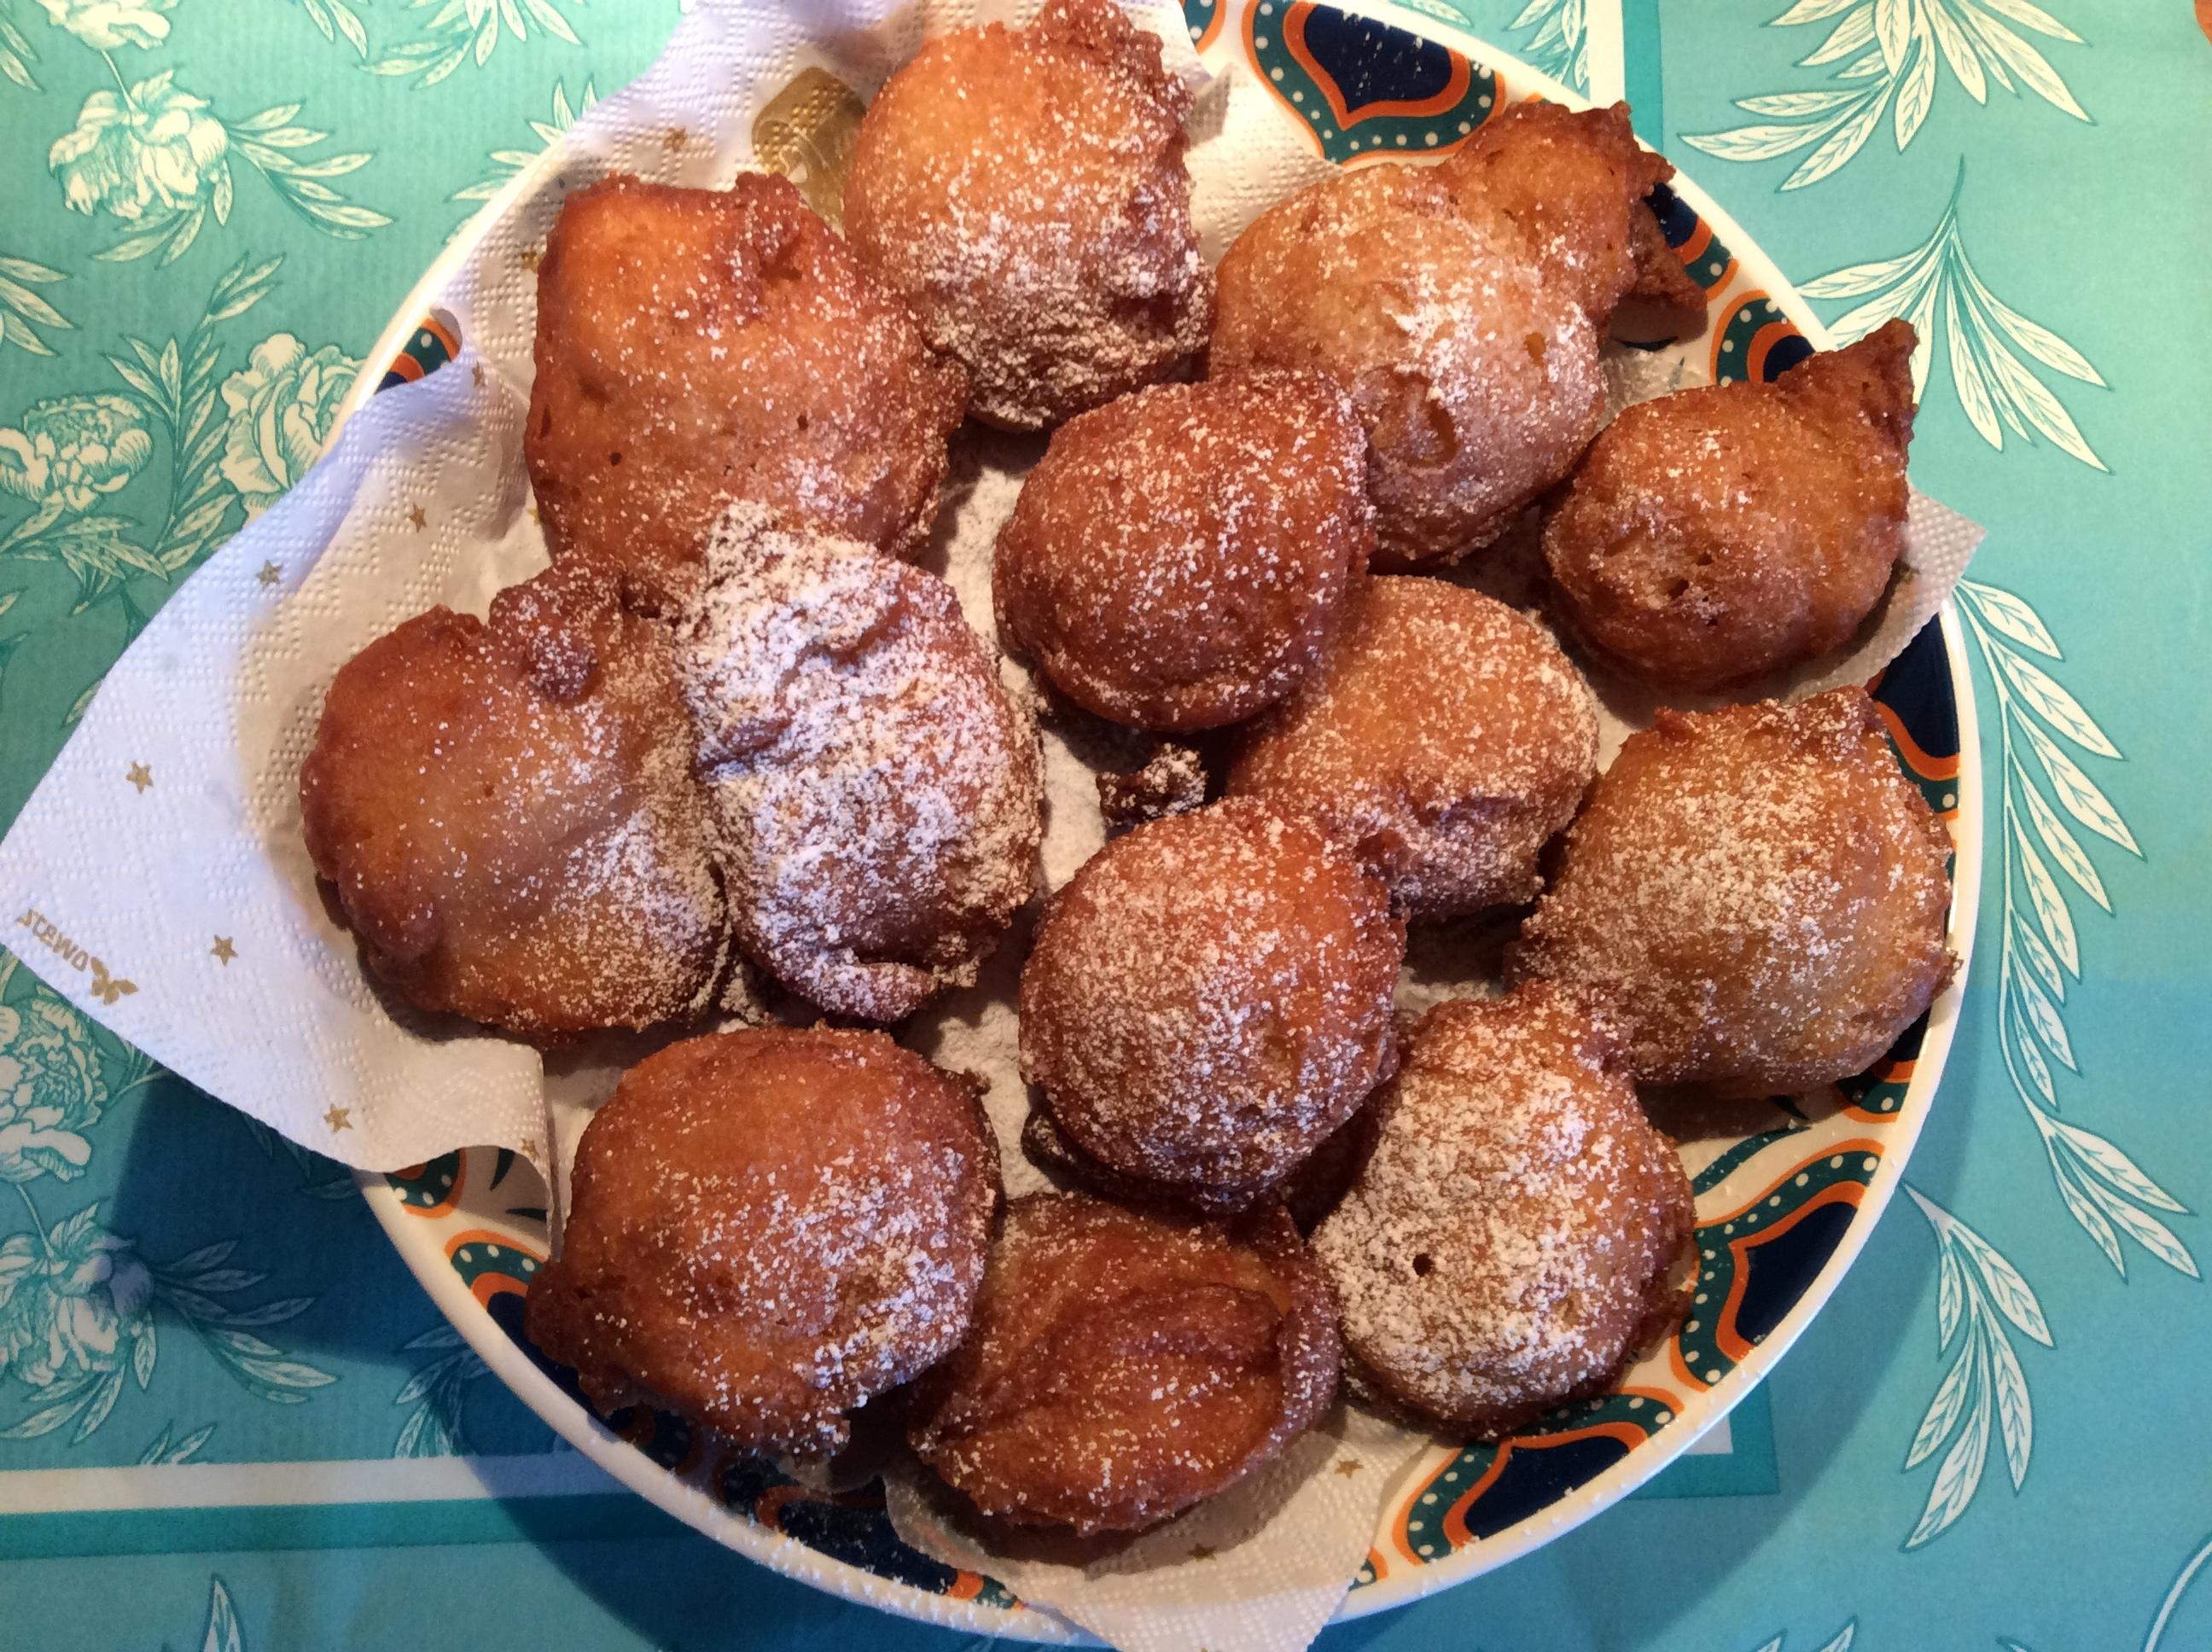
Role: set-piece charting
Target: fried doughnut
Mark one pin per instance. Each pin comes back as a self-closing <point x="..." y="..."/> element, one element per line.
<point x="1717" y="535"/>
<point x="1663" y="302"/>
<point x="1025" y="192"/>
<point x="1445" y="739"/>
<point x="874" y="793"/>
<point x="505" y="810"/>
<point x="695" y="346"/>
<point x="1478" y="382"/>
<point x="1570" y="183"/>
<point x="1175" y="560"/>
<point x="1507" y="1245"/>
<point x="1209" y="997"/>
<point x="1758" y="894"/>
<point x="1124" y="1365"/>
<point x="768" y="1228"/>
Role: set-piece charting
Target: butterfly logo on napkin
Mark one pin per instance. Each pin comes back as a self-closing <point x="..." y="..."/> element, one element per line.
<point x="106" y="988"/>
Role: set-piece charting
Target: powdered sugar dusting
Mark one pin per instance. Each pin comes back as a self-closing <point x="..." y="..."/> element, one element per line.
<point x="506" y="811"/>
<point x="1444" y="739"/>
<point x="1025" y="191"/>
<point x="1759" y="891"/>
<point x="1210" y="996"/>
<point x="874" y="790"/>
<point x="1715" y="537"/>
<point x="1172" y="781"/>
<point x="1506" y="1243"/>
<point x="1478" y="386"/>
<point x="812" y="1230"/>
<point x="1176" y="560"/>
<point x="974" y="1029"/>
<point x="650" y="876"/>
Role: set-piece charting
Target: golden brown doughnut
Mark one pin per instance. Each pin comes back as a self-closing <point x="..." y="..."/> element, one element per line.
<point x="1025" y="192"/>
<point x="1175" y="560"/>
<point x="873" y="791"/>
<point x="1717" y="535"/>
<point x="1570" y="184"/>
<point x="695" y="346"/>
<point x="1758" y="894"/>
<point x="1478" y="382"/>
<point x="1445" y="739"/>
<point x="1124" y="1365"/>
<point x="768" y="1228"/>
<point x="505" y="811"/>
<point x="1507" y="1244"/>
<point x="1209" y="997"/>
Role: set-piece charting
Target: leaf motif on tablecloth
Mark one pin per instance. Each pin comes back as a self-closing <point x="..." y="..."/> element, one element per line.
<point x="463" y="30"/>
<point x="1984" y="1394"/>
<point x="1840" y="1641"/>
<point x="506" y="163"/>
<point x="266" y="142"/>
<point x="194" y="1288"/>
<point x="1937" y="289"/>
<point x="2051" y="810"/>
<point x="23" y="309"/>
<point x="319" y="1177"/>
<point x="1888" y="51"/>
<point x="17" y="54"/>
<point x="436" y="1392"/>
<point x="338" y="22"/>
<point x="222" y="1633"/>
<point x="1558" y="39"/>
<point x="164" y="1451"/>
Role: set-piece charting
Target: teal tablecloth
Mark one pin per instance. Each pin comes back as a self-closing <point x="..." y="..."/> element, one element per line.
<point x="1997" y="1433"/>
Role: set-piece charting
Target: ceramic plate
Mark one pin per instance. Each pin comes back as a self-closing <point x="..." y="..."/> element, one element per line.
<point x="1786" y="1201"/>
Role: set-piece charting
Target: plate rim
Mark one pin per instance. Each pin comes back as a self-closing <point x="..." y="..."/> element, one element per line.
<point x="697" y="1506"/>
